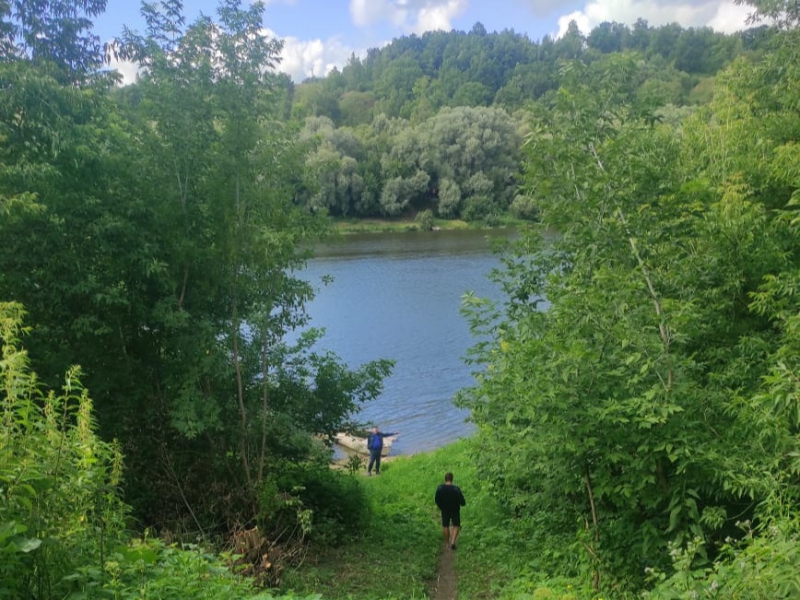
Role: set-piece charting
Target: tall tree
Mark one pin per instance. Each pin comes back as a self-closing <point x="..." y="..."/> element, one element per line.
<point x="55" y="31"/>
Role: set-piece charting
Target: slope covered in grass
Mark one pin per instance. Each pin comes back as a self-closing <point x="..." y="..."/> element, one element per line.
<point x="398" y="554"/>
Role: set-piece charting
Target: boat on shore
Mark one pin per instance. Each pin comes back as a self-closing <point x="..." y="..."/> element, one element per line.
<point x="359" y="444"/>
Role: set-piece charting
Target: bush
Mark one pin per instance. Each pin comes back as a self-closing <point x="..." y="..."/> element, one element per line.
<point x="62" y="520"/>
<point x="492" y="220"/>
<point x="477" y="208"/>
<point x="334" y="503"/>
<point x="150" y="569"/>
<point x="425" y="219"/>
<point x="762" y="565"/>
<point x="524" y="207"/>
<point x="58" y="480"/>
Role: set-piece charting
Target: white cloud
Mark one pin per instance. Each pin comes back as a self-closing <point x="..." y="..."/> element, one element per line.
<point x="440" y="16"/>
<point x="312" y="58"/>
<point x="730" y="17"/>
<point x="412" y="16"/>
<point x="722" y="15"/>
<point x="299" y="59"/>
<point x="129" y="70"/>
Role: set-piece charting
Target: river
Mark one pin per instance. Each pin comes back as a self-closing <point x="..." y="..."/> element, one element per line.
<point x="398" y="296"/>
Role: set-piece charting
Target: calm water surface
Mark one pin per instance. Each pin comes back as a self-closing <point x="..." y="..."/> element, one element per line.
<point x="398" y="296"/>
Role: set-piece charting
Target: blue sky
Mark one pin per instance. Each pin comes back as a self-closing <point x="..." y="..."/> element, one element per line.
<point x="321" y="34"/>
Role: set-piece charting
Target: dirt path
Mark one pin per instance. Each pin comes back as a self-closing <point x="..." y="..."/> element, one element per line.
<point x="444" y="587"/>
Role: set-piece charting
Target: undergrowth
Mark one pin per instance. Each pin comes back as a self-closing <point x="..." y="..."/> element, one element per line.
<point x="396" y="558"/>
<point x="497" y="557"/>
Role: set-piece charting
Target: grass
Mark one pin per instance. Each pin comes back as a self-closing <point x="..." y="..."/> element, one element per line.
<point x="391" y="225"/>
<point x="398" y="554"/>
<point x="400" y="225"/>
<point x="497" y="557"/>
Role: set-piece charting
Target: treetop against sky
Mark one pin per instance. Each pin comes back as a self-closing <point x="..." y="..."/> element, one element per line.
<point x="322" y="34"/>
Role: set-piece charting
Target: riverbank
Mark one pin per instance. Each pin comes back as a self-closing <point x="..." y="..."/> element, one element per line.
<point x="398" y="556"/>
<point x="347" y="226"/>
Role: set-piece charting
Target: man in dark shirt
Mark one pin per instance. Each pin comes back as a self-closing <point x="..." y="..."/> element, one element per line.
<point x="449" y="499"/>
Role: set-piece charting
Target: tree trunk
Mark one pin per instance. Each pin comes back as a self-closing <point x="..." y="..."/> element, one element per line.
<point x="264" y="400"/>
<point x="236" y="326"/>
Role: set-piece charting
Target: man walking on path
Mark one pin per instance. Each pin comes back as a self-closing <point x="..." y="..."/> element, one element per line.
<point x="449" y="499"/>
<point x="375" y="446"/>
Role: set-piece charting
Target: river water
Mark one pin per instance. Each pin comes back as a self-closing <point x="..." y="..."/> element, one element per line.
<point x="398" y="296"/>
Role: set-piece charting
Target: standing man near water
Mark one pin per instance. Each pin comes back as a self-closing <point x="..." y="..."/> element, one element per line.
<point x="449" y="499"/>
<point x="375" y="446"/>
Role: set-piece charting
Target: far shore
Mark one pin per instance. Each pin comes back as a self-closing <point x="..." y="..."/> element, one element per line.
<point x="347" y="226"/>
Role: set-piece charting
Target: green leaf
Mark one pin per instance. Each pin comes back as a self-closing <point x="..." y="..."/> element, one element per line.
<point x="26" y="545"/>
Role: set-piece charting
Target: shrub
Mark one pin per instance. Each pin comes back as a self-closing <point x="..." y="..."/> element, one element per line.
<point x="150" y="569"/>
<point x="762" y="565"/>
<point x="425" y="219"/>
<point x="477" y="208"/>
<point x="524" y="207"/>
<point x="62" y="520"/>
<point x="336" y="504"/>
<point x="58" y="480"/>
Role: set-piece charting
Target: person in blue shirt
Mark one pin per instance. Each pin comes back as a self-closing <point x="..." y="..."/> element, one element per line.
<point x="449" y="499"/>
<point x="375" y="446"/>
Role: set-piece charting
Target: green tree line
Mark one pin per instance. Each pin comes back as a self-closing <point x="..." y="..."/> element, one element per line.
<point x="415" y="76"/>
<point x="435" y="122"/>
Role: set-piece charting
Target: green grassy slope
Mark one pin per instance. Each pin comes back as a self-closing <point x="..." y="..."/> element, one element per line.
<point x="397" y="557"/>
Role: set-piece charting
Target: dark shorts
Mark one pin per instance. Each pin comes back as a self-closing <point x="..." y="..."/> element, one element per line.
<point x="454" y="516"/>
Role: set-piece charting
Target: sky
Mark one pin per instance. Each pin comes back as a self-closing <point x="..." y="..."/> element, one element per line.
<point x="322" y="34"/>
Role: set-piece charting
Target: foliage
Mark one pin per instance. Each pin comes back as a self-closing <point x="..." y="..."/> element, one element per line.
<point x="148" y="568"/>
<point x="57" y="32"/>
<point x="58" y="481"/>
<point x="62" y="520"/>
<point x="414" y="77"/>
<point x="153" y="235"/>
<point x="425" y="219"/>
<point x="762" y="565"/>
<point x="785" y="13"/>
<point x="394" y="167"/>
<point x="649" y="403"/>
<point x="335" y="503"/>
<point x="446" y="106"/>
<point x="396" y="555"/>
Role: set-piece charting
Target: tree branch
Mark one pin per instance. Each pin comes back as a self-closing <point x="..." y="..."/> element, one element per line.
<point x="663" y="329"/>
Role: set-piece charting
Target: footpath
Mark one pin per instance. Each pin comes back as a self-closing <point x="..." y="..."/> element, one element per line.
<point x="444" y="587"/>
<point x="400" y="554"/>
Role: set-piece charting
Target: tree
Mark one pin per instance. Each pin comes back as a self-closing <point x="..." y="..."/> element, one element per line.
<point x="230" y="186"/>
<point x="355" y="108"/>
<point x="54" y="31"/>
<point x="609" y="407"/>
<point x="786" y="13"/>
<point x="155" y="241"/>
<point x="608" y="37"/>
<point x="476" y="148"/>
